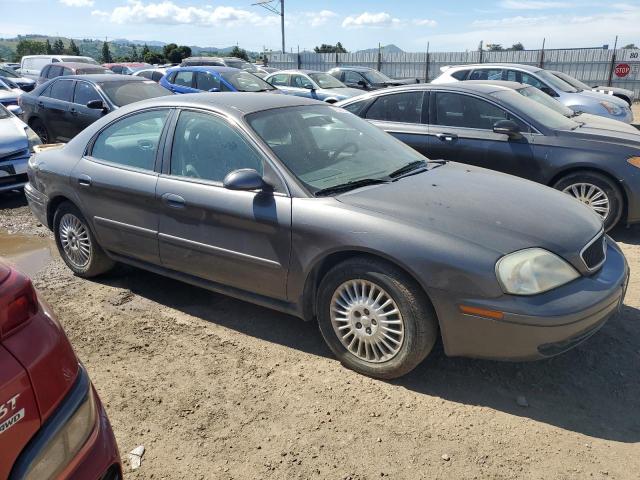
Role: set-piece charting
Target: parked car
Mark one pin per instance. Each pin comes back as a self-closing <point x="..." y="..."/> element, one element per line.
<point x="577" y="100"/>
<point x="232" y="62"/>
<point x="213" y="79"/>
<point x="296" y="205"/>
<point x="621" y="93"/>
<point x="9" y="93"/>
<point x="52" y="423"/>
<point x="154" y="74"/>
<point x="62" y="107"/>
<point x="61" y="69"/>
<point x="311" y="84"/>
<point x="126" y="68"/>
<point x="17" y="141"/>
<point x="26" y="84"/>
<point x="366" y="78"/>
<point x="588" y="119"/>
<point x="262" y="71"/>
<point x="32" y="65"/>
<point x="494" y="127"/>
<point x="11" y="66"/>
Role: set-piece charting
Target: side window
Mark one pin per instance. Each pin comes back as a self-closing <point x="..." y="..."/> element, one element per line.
<point x="399" y="107"/>
<point x="352" y="77"/>
<point x="279" y="80"/>
<point x="116" y="69"/>
<point x="530" y="80"/>
<point x="62" y="90"/>
<point x="511" y="76"/>
<point x="206" y="81"/>
<point x="184" y="78"/>
<point x="208" y="148"/>
<point x="300" y="81"/>
<point x="355" y="107"/>
<point x="66" y="71"/>
<point x="156" y="76"/>
<point x="85" y="92"/>
<point x="460" y="74"/>
<point x="486" y="74"/>
<point x="27" y="64"/>
<point x="54" y="71"/>
<point x="132" y="141"/>
<point x="171" y="77"/>
<point x="456" y="110"/>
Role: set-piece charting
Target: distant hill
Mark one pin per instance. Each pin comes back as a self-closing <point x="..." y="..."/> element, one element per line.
<point x="386" y="49"/>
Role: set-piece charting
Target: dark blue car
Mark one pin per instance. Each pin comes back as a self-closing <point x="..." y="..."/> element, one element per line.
<point x="213" y="79"/>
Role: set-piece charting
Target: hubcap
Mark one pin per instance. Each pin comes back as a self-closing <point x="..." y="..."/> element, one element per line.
<point x="367" y="321"/>
<point x="590" y="195"/>
<point x="75" y="240"/>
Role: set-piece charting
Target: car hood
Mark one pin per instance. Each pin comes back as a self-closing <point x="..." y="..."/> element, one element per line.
<point x="621" y="136"/>
<point x="13" y="137"/>
<point x="498" y="212"/>
<point x="604" y="123"/>
<point x="603" y="97"/>
<point x="341" y="92"/>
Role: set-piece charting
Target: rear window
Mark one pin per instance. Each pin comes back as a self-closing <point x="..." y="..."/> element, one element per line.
<point x="460" y="74"/>
<point x="246" y="82"/>
<point x="125" y="92"/>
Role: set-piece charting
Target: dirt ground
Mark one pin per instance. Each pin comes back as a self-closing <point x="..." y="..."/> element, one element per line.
<point x="215" y="388"/>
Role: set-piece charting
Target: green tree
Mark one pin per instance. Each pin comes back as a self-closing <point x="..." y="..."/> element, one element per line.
<point x="144" y="51"/>
<point x="106" y="53"/>
<point x="494" y="47"/>
<point x="134" y="54"/>
<point x="630" y="46"/>
<point x="29" y="47"/>
<point x="175" y="54"/>
<point x="73" y="48"/>
<point x="326" y="48"/>
<point x="239" y="53"/>
<point x="516" y="46"/>
<point x="153" y="58"/>
<point x="47" y="47"/>
<point x="58" y="47"/>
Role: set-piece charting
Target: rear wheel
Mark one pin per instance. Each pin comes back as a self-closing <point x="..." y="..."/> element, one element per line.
<point x="596" y="191"/>
<point x="41" y="130"/>
<point x="76" y="243"/>
<point x="375" y="318"/>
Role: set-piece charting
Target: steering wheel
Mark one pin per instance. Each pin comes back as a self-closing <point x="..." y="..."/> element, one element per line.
<point x="344" y="147"/>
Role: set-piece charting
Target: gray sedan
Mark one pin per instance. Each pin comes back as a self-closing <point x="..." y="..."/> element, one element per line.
<point x="17" y="141"/>
<point x="305" y="208"/>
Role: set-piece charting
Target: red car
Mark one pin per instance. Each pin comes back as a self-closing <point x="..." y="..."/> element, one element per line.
<point x="52" y="424"/>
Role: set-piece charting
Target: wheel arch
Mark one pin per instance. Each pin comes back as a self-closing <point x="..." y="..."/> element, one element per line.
<point x="53" y="205"/>
<point x="623" y="97"/>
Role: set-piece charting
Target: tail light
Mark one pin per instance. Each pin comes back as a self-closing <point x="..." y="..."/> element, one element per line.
<point x="18" y="301"/>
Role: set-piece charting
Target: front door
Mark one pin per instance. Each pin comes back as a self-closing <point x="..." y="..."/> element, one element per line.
<point x="84" y="93"/>
<point x="117" y="181"/>
<point x="461" y="130"/>
<point x="234" y="238"/>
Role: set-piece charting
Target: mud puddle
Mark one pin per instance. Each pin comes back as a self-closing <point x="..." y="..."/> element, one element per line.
<point x="27" y="252"/>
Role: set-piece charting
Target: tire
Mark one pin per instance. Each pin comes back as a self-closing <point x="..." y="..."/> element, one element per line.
<point x="72" y="233"/>
<point x="414" y="336"/>
<point x="573" y="184"/>
<point x="41" y="130"/>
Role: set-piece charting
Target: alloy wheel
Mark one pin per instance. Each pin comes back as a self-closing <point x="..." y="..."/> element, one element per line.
<point x="75" y="240"/>
<point x="591" y="195"/>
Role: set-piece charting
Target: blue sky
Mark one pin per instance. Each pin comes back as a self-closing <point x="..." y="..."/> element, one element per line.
<point x="410" y="24"/>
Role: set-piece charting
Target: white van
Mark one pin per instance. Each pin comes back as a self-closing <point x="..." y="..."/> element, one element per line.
<point x="31" y="65"/>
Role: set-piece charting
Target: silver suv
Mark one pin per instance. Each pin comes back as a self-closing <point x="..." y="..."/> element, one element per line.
<point x="578" y="100"/>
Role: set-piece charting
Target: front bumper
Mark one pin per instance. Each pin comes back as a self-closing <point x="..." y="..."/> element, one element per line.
<point x="13" y="173"/>
<point x="538" y="326"/>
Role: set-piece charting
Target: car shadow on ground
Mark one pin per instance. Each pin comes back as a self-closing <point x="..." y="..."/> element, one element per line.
<point x="12" y="199"/>
<point x="626" y="234"/>
<point x="592" y="389"/>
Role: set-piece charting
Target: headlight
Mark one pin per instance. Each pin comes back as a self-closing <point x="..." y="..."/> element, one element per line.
<point x="612" y="108"/>
<point x="33" y="138"/>
<point x="64" y="446"/>
<point x="532" y="271"/>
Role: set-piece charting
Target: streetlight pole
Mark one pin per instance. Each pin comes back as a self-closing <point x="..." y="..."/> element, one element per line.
<point x="272" y="6"/>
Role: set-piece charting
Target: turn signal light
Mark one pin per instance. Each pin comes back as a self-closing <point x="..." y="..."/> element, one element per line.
<point x="482" y="312"/>
<point x="635" y="161"/>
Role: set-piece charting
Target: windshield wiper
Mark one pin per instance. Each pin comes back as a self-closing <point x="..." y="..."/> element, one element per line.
<point x="344" y="187"/>
<point x="413" y="167"/>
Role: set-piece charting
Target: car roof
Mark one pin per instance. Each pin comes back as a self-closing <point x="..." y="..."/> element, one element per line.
<point x="355" y="68"/>
<point x="528" y="68"/>
<point x="76" y="65"/>
<point x="467" y="86"/>
<point x="293" y="70"/>
<point x="206" y="68"/>
<point x="497" y="83"/>
<point x="105" y="77"/>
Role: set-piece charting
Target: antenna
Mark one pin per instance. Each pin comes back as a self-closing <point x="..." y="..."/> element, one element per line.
<point x="272" y="6"/>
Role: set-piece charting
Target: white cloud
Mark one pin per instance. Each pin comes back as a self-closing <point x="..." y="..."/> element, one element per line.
<point x="425" y="22"/>
<point x="168" y="13"/>
<point x="77" y="3"/>
<point x="367" y="19"/>
<point x="318" y="19"/>
<point x="510" y="22"/>
<point x="534" y="5"/>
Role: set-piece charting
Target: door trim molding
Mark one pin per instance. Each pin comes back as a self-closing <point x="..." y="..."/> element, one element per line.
<point x="143" y="232"/>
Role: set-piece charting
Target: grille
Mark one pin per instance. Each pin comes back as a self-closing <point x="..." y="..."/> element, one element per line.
<point x="593" y="254"/>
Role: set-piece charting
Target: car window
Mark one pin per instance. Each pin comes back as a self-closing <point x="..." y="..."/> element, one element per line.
<point x="279" y="80"/>
<point x="116" y="69"/>
<point x="206" y="81"/>
<point x="460" y="74"/>
<point x="52" y="71"/>
<point x="62" y="90"/>
<point x="207" y="147"/>
<point x="355" y="107"/>
<point x="352" y="77"/>
<point x="246" y="82"/>
<point x="456" y="110"/>
<point x="184" y="78"/>
<point x="400" y="107"/>
<point x="132" y="141"/>
<point x="300" y="81"/>
<point x="156" y="76"/>
<point x="145" y="74"/>
<point x="85" y="92"/>
<point x="531" y="80"/>
<point x="171" y="77"/>
<point x="486" y="74"/>
<point x="124" y="92"/>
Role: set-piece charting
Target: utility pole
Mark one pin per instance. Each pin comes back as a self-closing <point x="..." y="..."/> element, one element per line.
<point x="272" y="6"/>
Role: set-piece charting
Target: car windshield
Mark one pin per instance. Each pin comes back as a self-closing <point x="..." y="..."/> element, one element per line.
<point x="4" y="113"/>
<point x="555" y="82"/>
<point x="79" y="60"/>
<point x="325" y="146"/>
<point x="246" y="82"/>
<point x="572" y="81"/>
<point x="4" y="86"/>
<point x="538" y="112"/>
<point x="324" y="80"/>
<point x="125" y="92"/>
<point x="242" y="65"/>
<point x="539" y="96"/>
<point x="374" y="76"/>
<point x="5" y="72"/>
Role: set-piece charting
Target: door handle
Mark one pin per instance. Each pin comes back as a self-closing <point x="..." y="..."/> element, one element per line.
<point x="73" y="111"/>
<point x="41" y="104"/>
<point x="173" y="200"/>
<point x="447" y="137"/>
<point x="84" y="180"/>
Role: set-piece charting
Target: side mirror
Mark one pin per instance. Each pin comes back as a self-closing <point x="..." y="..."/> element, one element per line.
<point x="362" y="83"/>
<point x="15" y="109"/>
<point x="97" y="105"/>
<point x="549" y="91"/>
<point x="244" y="179"/>
<point x="508" y="128"/>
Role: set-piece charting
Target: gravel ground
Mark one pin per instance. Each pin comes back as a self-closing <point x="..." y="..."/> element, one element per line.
<point x="216" y="388"/>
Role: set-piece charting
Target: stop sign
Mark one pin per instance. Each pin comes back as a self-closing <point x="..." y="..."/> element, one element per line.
<point x="622" y="69"/>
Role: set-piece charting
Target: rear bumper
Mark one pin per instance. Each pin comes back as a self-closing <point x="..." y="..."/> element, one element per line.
<point x="539" y="326"/>
<point x="37" y="203"/>
<point x="13" y="173"/>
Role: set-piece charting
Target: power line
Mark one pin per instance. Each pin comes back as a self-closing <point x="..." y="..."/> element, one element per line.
<point x="272" y="6"/>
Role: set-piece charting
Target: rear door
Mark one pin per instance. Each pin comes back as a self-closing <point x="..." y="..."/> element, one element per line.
<point x="84" y="93"/>
<point x="461" y="130"/>
<point x="207" y="82"/>
<point x="185" y="82"/>
<point x="55" y="109"/>
<point x="404" y="115"/>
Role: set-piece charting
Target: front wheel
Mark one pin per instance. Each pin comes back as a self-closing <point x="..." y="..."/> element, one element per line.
<point x="375" y="318"/>
<point x="597" y="192"/>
